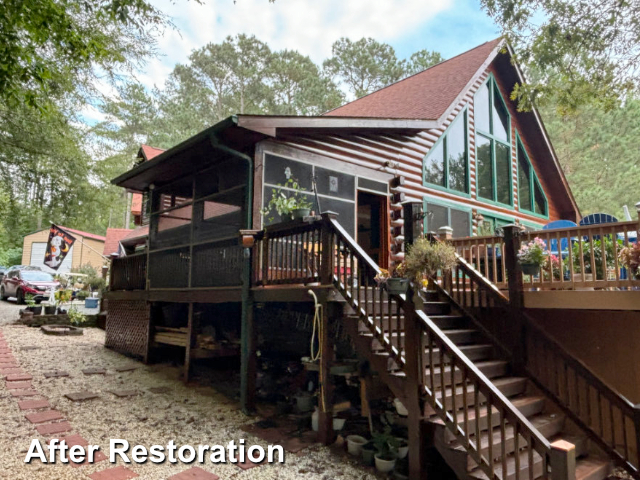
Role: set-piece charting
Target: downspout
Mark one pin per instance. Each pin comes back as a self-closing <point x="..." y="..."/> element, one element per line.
<point x="246" y="327"/>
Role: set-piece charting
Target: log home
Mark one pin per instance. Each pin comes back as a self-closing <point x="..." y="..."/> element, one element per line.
<point x="474" y="366"/>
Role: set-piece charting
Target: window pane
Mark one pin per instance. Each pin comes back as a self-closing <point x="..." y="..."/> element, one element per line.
<point x="524" y="181"/>
<point x="437" y="217"/>
<point x="540" y="203"/>
<point x="503" y="175"/>
<point x="457" y="153"/>
<point x="481" y="108"/>
<point x="500" y="118"/>
<point x="484" y="168"/>
<point x="460" y="222"/>
<point x="434" y="165"/>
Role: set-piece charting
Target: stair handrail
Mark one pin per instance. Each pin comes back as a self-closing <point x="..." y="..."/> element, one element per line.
<point x="627" y="408"/>
<point x="493" y="396"/>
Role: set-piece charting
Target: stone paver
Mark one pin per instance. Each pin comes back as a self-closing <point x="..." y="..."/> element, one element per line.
<point x="10" y="371"/>
<point x="79" y="396"/>
<point x="9" y="365"/>
<point x="97" y="457"/>
<point x="195" y="473"/>
<point x="23" y="393"/>
<point x="125" y="393"/>
<point x="51" y="428"/>
<point x="43" y="417"/>
<point x="116" y="473"/>
<point x="18" y="377"/>
<point x="18" y="385"/>
<point x="55" y="374"/>
<point x="33" y="404"/>
<point x="72" y="440"/>
<point x="247" y="464"/>
<point x="126" y="369"/>
<point x="94" y="371"/>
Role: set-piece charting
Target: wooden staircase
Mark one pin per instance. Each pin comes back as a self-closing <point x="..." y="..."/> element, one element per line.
<point x="499" y="407"/>
<point x="497" y="437"/>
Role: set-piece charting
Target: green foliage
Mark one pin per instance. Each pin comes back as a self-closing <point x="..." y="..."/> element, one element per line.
<point x="597" y="255"/>
<point x="286" y="201"/>
<point x="583" y="51"/>
<point x="76" y="318"/>
<point x="385" y="443"/>
<point x="29" y="300"/>
<point x="11" y="256"/>
<point x="82" y="295"/>
<point x="427" y="258"/>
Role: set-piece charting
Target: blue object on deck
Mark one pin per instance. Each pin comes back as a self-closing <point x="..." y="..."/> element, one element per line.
<point x="564" y="242"/>
<point x="90" y="302"/>
<point x="598" y="218"/>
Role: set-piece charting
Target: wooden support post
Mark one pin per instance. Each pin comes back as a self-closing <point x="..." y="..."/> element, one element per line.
<point x="636" y="427"/>
<point x="516" y="342"/>
<point x="147" y="353"/>
<point x="247" y="353"/>
<point x="325" y="418"/>
<point x="563" y="460"/>
<point x="413" y="369"/>
<point x="327" y="254"/>
<point x="191" y="341"/>
<point x="413" y="221"/>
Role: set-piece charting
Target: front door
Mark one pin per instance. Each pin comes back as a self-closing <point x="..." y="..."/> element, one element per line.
<point x="373" y="226"/>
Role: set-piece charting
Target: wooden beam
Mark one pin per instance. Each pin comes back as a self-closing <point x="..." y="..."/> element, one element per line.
<point x="191" y="342"/>
<point x="263" y="123"/>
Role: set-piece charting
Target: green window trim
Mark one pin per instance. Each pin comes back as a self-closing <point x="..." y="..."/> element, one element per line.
<point x="534" y="184"/>
<point x="449" y="206"/>
<point x="442" y="145"/>
<point x="494" y="143"/>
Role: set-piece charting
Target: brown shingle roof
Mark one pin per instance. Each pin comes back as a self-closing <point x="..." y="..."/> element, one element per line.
<point x="426" y="95"/>
<point x="149" y="152"/>
<point x="114" y="235"/>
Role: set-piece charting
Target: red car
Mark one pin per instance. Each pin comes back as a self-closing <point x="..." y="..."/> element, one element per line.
<point x="27" y="281"/>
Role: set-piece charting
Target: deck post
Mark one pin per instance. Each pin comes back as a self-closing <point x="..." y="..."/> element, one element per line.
<point x="563" y="460"/>
<point x="325" y="414"/>
<point x="247" y="344"/>
<point x="516" y="293"/>
<point x="413" y="221"/>
<point x="327" y="245"/>
<point x="191" y="340"/>
<point x="413" y="368"/>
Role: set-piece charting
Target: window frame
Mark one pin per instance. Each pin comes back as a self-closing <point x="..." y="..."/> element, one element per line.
<point x="448" y="205"/>
<point x="492" y="141"/>
<point x="463" y="116"/>
<point x="533" y="180"/>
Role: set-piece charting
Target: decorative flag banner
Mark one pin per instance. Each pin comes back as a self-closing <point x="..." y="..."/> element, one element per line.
<point x="59" y="244"/>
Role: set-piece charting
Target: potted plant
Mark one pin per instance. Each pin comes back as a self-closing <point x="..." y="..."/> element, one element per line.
<point x="386" y="448"/>
<point x="630" y="258"/>
<point x="531" y="256"/>
<point x="424" y="259"/>
<point x="355" y="443"/>
<point x="62" y="297"/>
<point x="552" y="266"/>
<point x="402" y="448"/>
<point x="50" y="309"/>
<point x="288" y="201"/>
<point x="394" y="281"/>
<point x="31" y="305"/>
<point x="368" y="452"/>
<point x="76" y="318"/>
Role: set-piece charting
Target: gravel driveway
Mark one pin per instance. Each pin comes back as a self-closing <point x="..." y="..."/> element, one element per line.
<point x="190" y="415"/>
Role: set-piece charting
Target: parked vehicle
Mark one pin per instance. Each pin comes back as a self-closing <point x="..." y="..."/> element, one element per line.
<point x="2" y="272"/>
<point x="19" y="282"/>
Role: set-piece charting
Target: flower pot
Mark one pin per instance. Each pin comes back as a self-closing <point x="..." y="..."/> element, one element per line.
<point x="403" y="449"/>
<point x="49" y="309"/>
<point x="530" y="268"/>
<point x="386" y="464"/>
<point x="367" y="455"/>
<point x="37" y="310"/>
<point x="299" y="213"/>
<point x="304" y="402"/>
<point x="355" y="444"/>
<point x="397" y="286"/>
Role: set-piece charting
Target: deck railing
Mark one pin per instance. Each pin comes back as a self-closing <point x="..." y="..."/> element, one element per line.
<point x="129" y="273"/>
<point x="586" y="257"/>
<point x="610" y="420"/>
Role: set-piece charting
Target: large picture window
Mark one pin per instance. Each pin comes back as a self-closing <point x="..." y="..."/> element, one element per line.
<point x="441" y="215"/>
<point x="447" y="163"/>
<point x="493" y="145"/>
<point x="531" y="196"/>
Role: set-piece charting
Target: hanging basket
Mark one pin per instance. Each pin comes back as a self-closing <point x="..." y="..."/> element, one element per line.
<point x="530" y="268"/>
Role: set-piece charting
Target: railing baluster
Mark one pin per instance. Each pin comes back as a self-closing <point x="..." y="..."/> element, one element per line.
<point x="503" y="444"/>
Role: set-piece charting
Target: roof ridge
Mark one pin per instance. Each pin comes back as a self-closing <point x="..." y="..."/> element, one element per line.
<point x="498" y="39"/>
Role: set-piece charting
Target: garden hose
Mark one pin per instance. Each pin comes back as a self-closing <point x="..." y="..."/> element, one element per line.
<point x="317" y="325"/>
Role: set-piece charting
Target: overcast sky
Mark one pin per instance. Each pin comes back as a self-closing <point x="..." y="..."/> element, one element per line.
<point x="311" y="27"/>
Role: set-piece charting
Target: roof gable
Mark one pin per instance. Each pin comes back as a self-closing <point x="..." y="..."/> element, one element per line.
<point x="147" y="152"/>
<point x="114" y="235"/>
<point x="426" y="95"/>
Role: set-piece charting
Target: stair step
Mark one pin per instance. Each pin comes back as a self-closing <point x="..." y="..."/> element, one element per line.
<point x="528" y="406"/>
<point x="450" y="321"/>
<point x="437" y="308"/>
<point x="509" y="386"/>
<point x="463" y="336"/>
<point x="511" y="468"/>
<point x="430" y="295"/>
<point x="473" y="352"/>
<point x="592" y="468"/>
<point x="547" y="425"/>
<point x="491" y="369"/>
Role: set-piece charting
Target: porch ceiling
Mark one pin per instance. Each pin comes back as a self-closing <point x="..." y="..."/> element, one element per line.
<point x="190" y="156"/>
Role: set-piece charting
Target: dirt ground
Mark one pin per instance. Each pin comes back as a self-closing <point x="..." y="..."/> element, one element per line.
<point x="189" y="415"/>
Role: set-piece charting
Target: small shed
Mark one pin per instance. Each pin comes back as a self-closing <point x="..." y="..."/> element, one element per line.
<point x="86" y="250"/>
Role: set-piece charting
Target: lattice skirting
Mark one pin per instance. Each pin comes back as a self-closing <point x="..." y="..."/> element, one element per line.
<point x="128" y="326"/>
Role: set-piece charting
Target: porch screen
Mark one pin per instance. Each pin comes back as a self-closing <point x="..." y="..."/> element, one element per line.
<point x="446" y="216"/>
